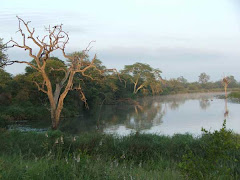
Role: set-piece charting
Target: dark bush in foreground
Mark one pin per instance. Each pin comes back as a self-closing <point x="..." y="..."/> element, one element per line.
<point x="218" y="157"/>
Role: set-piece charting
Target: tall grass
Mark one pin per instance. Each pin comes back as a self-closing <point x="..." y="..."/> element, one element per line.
<point x="234" y="95"/>
<point x="56" y="155"/>
<point x="87" y="168"/>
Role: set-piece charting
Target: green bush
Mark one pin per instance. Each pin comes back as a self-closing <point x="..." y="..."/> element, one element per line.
<point x="218" y="156"/>
<point x="234" y="95"/>
<point x="3" y="122"/>
<point x="16" y="112"/>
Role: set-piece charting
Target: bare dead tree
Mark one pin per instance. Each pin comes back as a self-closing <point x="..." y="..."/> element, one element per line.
<point x="55" y="39"/>
<point x="225" y="82"/>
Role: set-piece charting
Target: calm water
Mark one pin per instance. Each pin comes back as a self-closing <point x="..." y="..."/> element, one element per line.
<point x="159" y="115"/>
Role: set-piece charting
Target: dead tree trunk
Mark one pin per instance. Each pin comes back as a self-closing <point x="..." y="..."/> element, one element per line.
<point x="54" y="39"/>
<point x="225" y="83"/>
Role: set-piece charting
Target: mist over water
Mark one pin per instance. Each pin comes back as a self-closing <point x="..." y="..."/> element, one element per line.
<point x="163" y="115"/>
<point x="183" y="113"/>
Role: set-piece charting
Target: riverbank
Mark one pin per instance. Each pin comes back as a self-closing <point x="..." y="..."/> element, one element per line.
<point x="28" y="111"/>
<point x="154" y="115"/>
<point x="56" y="155"/>
<point x="234" y="95"/>
<point x="185" y="91"/>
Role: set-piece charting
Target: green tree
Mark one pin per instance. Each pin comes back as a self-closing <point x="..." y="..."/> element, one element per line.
<point x="203" y="78"/>
<point x="155" y="82"/>
<point x="175" y="86"/>
<point x="233" y="82"/>
<point x="3" y="56"/>
<point x="5" y="77"/>
<point x="141" y="75"/>
<point x="5" y="95"/>
<point x="181" y="79"/>
<point x="54" y="69"/>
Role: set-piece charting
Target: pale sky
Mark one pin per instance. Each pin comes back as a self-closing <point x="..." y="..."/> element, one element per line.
<point x="180" y="37"/>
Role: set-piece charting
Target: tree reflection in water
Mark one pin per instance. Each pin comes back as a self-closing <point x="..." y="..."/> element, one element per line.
<point x="137" y="117"/>
<point x="204" y="103"/>
<point x="133" y="117"/>
<point x="226" y="112"/>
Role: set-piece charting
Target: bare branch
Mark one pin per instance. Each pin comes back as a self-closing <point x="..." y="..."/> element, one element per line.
<point x="21" y="62"/>
<point x="88" y="48"/>
<point x="83" y="98"/>
<point x="40" y="88"/>
<point x="59" y="69"/>
<point x="25" y="47"/>
<point x="29" y="31"/>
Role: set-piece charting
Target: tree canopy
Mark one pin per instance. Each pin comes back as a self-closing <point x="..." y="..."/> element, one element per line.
<point x="142" y="76"/>
<point x="203" y="78"/>
<point x="3" y="56"/>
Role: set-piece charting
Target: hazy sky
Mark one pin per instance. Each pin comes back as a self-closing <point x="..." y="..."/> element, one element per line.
<point x="180" y="37"/>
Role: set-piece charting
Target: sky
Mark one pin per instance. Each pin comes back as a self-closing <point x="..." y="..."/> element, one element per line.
<point x="180" y="37"/>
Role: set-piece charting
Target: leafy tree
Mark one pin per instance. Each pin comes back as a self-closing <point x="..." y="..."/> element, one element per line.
<point x="156" y="82"/>
<point x="233" y="82"/>
<point x="181" y="79"/>
<point x="175" y="86"/>
<point x="5" y="77"/>
<point x="54" y="69"/>
<point x="3" y="56"/>
<point x="203" y="78"/>
<point x="141" y="75"/>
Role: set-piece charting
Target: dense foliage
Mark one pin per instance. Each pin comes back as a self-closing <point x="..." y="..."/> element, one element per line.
<point x="217" y="156"/>
<point x="3" y="56"/>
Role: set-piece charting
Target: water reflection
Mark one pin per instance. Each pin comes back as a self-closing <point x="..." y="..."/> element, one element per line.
<point x="151" y="114"/>
<point x="158" y="115"/>
<point x="226" y="109"/>
<point x="154" y="111"/>
<point x="204" y="103"/>
<point x="132" y="117"/>
<point x="147" y="114"/>
<point x="174" y="105"/>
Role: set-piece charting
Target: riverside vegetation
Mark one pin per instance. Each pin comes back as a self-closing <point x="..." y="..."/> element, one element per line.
<point x="56" y="155"/>
<point x="20" y="99"/>
<point x="27" y="96"/>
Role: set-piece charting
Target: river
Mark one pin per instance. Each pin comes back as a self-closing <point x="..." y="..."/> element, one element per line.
<point x="163" y="115"/>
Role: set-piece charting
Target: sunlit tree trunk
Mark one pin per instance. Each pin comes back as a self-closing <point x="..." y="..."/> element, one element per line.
<point x="225" y="83"/>
<point x="54" y="39"/>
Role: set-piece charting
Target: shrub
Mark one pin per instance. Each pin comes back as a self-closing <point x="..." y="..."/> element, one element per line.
<point x="3" y="122"/>
<point x="218" y="153"/>
<point x="234" y="95"/>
